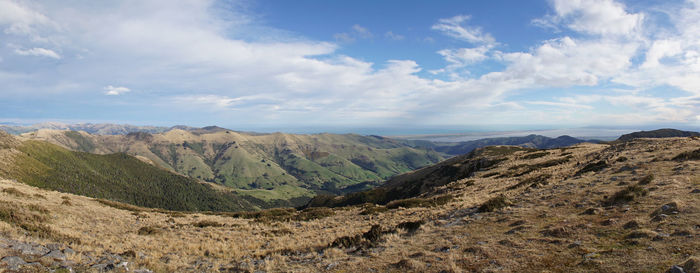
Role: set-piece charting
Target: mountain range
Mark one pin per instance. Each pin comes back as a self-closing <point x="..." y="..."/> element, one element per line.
<point x="281" y="169"/>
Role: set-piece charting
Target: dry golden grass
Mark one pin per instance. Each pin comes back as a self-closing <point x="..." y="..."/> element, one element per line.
<point x="560" y="226"/>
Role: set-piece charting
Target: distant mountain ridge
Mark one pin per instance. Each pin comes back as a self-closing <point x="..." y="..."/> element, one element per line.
<point x="660" y="133"/>
<point x="530" y="141"/>
<point x="92" y="128"/>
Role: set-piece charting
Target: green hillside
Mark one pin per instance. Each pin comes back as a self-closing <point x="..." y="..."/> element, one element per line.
<point x="265" y="166"/>
<point x="117" y="177"/>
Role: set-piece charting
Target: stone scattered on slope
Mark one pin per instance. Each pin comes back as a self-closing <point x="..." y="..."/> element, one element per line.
<point x="13" y="262"/>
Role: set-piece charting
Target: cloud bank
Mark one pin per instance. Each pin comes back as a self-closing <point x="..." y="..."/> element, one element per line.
<point x="605" y="60"/>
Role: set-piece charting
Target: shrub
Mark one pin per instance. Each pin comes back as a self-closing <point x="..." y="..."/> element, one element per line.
<point x="419" y="202"/>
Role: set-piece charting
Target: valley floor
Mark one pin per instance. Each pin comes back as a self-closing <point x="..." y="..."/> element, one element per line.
<point x="557" y="218"/>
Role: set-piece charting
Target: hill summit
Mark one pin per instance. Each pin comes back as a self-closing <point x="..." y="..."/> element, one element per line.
<point x="660" y="133"/>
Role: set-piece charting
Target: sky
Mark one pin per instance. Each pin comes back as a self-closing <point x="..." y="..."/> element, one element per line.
<point x="408" y="66"/>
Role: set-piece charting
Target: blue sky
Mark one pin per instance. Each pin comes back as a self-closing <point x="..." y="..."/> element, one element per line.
<point x="407" y="65"/>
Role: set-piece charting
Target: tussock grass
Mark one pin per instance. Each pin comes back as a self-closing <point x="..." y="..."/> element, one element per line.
<point x="40" y="196"/>
<point x="283" y="214"/>
<point x="532" y="181"/>
<point x="534" y="155"/>
<point x="419" y="202"/>
<point x="411" y="226"/>
<point x="690" y="155"/>
<point x="372" y="209"/>
<point x="207" y="223"/>
<point x="149" y="230"/>
<point x="32" y="219"/>
<point x="646" y="179"/>
<point x="367" y="239"/>
<point x="593" y="167"/>
<point x="626" y="195"/>
<point x="15" y="192"/>
<point x="495" y="203"/>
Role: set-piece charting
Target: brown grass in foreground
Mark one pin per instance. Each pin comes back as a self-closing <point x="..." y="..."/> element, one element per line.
<point x="588" y="217"/>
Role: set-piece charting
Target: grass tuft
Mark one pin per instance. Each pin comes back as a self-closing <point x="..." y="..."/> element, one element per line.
<point x="32" y="219"/>
<point x="690" y="155"/>
<point x="207" y="223"/>
<point x="646" y="180"/>
<point x="592" y="167"/>
<point x="411" y="226"/>
<point x="372" y="209"/>
<point x="149" y="230"/>
<point x="15" y="192"/>
<point x="419" y="202"/>
<point x="495" y="203"/>
<point x="626" y="195"/>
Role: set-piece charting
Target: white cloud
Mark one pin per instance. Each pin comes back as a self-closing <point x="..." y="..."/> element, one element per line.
<point x="115" y="90"/>
<point x="344" y="37"/>
<point x="600" y="17"/>
<point x="37" y="51"/>
<point x="358" y="32"/>
<point x="19" y="19"/>
<point x="464" y="56"/>
<point x="362" y="31"/>
<point x="455" y="28"/>
<point x="394" y="36"/>
<point x="560" y="104"/>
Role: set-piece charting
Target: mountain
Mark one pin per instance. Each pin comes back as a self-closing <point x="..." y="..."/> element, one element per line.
<point x="273" y="167"/>
<point x="117" y="177"/>
<point x="629" y="206"/>
<point x="92" y="128"/>
<point x="660" y="133"/>
<point x="530" y="141"/>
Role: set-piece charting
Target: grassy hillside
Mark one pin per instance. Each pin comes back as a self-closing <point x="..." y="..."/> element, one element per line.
<point x="117" y="177"/>
<point x="267" y="166"/>
<point x="612" y="207"/>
